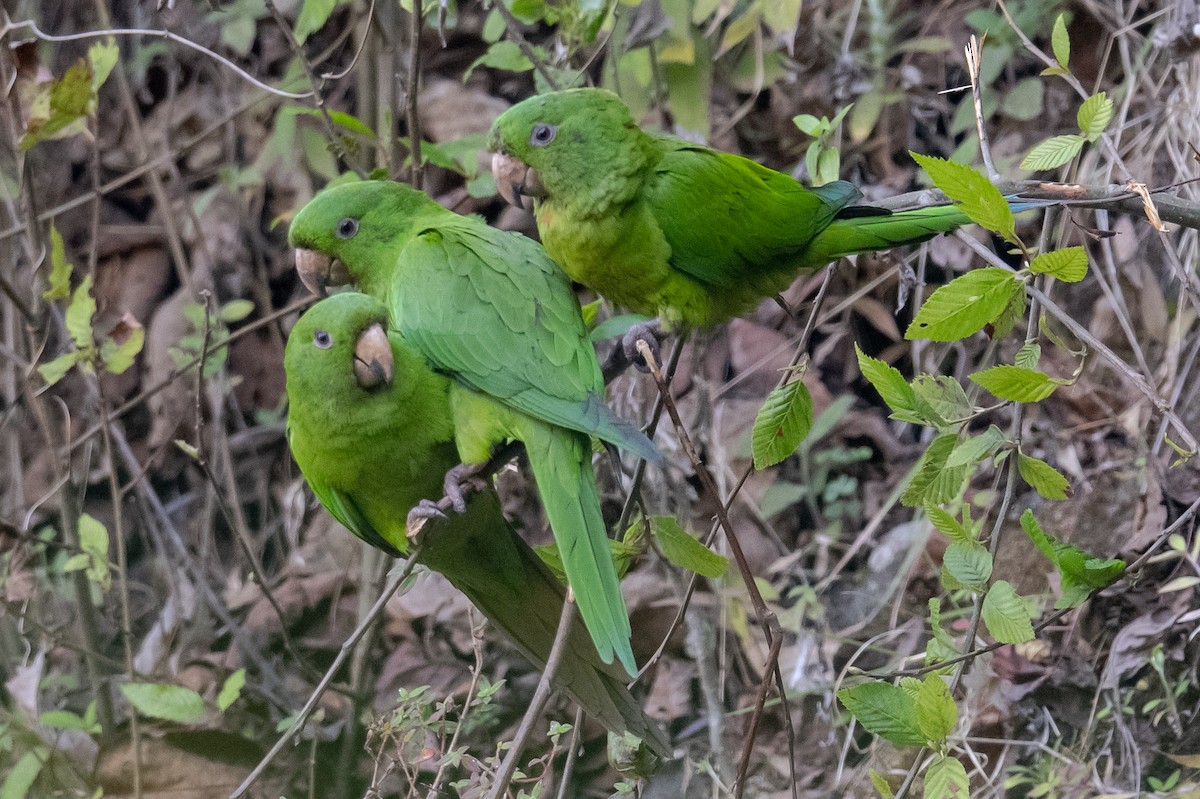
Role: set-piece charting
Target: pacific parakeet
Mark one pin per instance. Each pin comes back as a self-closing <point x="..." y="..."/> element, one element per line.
<point x="673" y="229"/>
<point x="371" y="428"/>
<point x="491" y="310"/>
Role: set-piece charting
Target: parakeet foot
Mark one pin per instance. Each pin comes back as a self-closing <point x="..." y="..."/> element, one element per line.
<point x="649" y="332"/>
<point x="424" y="510"/>
<point x="458" y="481"/>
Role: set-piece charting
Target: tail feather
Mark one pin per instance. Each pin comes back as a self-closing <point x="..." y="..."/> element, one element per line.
<point x="482" y="556"/>
<point x="855" y="233"/>
<point x="562" y="467"/>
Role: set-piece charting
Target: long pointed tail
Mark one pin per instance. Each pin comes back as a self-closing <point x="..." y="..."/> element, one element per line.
<point x="870" y="232"/>
<point x="481" y="554"/>
<point x="562" y="466"/>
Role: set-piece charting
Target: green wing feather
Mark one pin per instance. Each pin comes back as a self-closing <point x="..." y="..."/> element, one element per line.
<point x="540" y="363"/>
<point x="726" y="217"/>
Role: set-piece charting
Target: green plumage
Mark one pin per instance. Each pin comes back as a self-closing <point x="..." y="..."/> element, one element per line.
<point x="670" y="228"/>
<point x="370" y="454"/>
<point x="491" y="310"/>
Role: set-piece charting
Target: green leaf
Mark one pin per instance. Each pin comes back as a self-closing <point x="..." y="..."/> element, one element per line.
<point x="235" y="311"/>
<point x="505" y="55"/>
<point x="102" y="56"/>
<point x="976" y="448"/>
<point x="164" y="701"/>
<point x="93" y="540"/>
<point x="20" y="779"/>
<point x="1016" y="383"/>
<point x="946" y="524"/>
<point x="1043" y="478"/>
<point x="1080" y="572"/>
<point x="969" y="564"/>
<point x="941" y="400"/>
<point x="679" y="547"/>
<point x="80" y="313"/>
<point x="1024" y="102"/>
<point x="1029" y="355"/>
<point x="231" y="689"/>
<point x="1094" y="115"/>
<point x="66" y="720"/>
<point x="56" y="109"/>
<point x="885" y="710"/>
<point x="121" y="346"/>
<point x="932" y="464"/>
<point x="976" y="196"/>
<point x="946" y="779"/>
<point x="891" y="385"/>
<point x="1012" y="313"/>
<point x="935" y="709"/>
<point x="1060" y="42"/>
<point x="55" y="370"/>
<point x="810" y="125"/>
<point x="1068" y="264"/>
<point x="1053" y="152"/>
<point x="941" y="645"/>
<point x="1005" y="615"/>
<point x="615" y="326"/>
<point x="964" y="305"/>
<point x="313" y="16"/>
<point x="60" y="268"/>
<point x="782" y="423"/>
<point x="882" y="787"/>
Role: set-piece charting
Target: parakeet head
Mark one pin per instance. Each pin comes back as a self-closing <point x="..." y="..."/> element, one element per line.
<point x="338" y="352"/>
<point x="352" y="233"/>
<point x="578" y="146"/>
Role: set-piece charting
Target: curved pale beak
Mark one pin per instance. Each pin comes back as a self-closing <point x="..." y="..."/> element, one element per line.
<point x="516" y="181"/>
<point x="318" y="271"/>
<point x="374" y="365"/>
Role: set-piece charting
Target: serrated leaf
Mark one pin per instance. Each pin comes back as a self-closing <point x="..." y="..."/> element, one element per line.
<point x="946" y="524"/>
<point x="60" y="269"/>
<point x="1043" y="478"/>
<point x="1005" y="615"/>
<point x="935" y="709"/>
<point x="164" y="701"/>
<point x="946" y="779"/>
<point x="885" y="710"/>
<point x="60" y="109"/>
<point x="1016" y="383"/>
<point x="1094" y="115"/>
<point x="679" y="547"/>
<point x="1080" y="572"/>
<point x="102" y="56"/>
<point x="80" y="313"/>
<point x="56" y="369"/>
<point x="1060" y="41"/>
<point x="969" y="563"/>
<point x="1012" y="313"/>
<point x="782" y="423"/>
<point x="1053" y="152"/>
<point x="933" y="462"/>
<point x="976" y="448"/>
<point x="1068" y="264"/>
<point x="981" y="201"/>
<point x="1029" y="355"/>
<point x="313" y="16"/>
<point x="941" y="400"/>
<point x="231" y="689"/>
<point x="891" y="385"/>
<point x="964" y="305"/>
<point x="122" y="344"/>
<point x="881" y="785"/>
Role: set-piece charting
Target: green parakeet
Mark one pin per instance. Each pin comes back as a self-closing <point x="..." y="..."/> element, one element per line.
<point x="670" y="228"/>
<point x="490" y="309"/>
<point x="371" y="427"/>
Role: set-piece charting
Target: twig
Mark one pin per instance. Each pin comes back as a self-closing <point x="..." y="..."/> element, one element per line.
<point x="974" y="53"/>
<point x="513" y="25"/>
<point x="538" y="702"/>
<point x="766" y="618"/>
<point x="413" y="88"/>
<point x="564" y="783"/>
<point x="347" y="647"/>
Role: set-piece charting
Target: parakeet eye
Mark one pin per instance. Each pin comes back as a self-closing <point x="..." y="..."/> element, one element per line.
<point x="322" y="339"/>
<point x="542" y="134"/>
<point x="346" y="228"/>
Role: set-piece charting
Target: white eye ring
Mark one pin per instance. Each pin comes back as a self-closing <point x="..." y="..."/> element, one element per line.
<point x="322" y="339"/>
<point x="346" y="228"/>
<point x="542" y="134"/>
